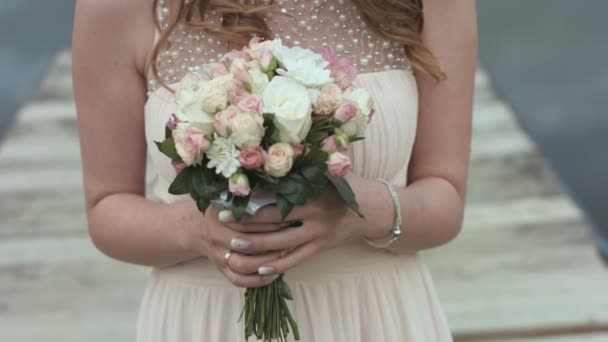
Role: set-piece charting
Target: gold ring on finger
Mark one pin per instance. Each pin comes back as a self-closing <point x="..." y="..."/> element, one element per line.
<point x="227" y="256"/>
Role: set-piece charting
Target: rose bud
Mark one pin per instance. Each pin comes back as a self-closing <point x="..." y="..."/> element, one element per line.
<point x="238" y="184"/>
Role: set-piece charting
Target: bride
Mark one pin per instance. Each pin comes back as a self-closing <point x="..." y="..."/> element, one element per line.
<point x="352" y="279"/>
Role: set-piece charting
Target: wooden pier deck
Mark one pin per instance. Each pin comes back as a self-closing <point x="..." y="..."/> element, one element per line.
<point x="523" y="269"/>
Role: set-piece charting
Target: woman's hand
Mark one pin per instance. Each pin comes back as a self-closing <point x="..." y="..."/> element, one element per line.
<point x="241" y="267"/>
<point x="317" y="225"/>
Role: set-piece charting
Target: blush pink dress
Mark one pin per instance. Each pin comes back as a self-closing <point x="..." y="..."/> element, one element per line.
<point x="352" y="292"/>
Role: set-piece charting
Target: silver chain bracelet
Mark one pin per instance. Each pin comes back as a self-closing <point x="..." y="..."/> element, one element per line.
<point x="396" y="232"/>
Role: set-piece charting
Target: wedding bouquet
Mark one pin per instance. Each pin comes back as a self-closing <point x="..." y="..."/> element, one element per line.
<point x="267" y="119"/>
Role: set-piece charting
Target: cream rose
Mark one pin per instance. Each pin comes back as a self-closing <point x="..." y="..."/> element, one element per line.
<point x="356" y="126"/>
<point x="329" y="99"/>
<point x="290" y="102"/>
<point x="247" y="130"/>
<point x="279" y="159"/>
<point x="362" y="98"/>
<point x="215" y="97"/>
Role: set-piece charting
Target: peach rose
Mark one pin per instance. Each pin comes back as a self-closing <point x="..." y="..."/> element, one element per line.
<point x="279" y="159"/>
<point x="329" y="99"/>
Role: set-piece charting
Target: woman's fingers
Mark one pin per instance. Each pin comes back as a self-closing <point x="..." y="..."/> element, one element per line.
<point x="256" y="227"/>
<point x="249" y="264"/>
<point x="290" y="260"/>
<point x="254" y="280"/>
<point x="240" y="270"/>
<point x="275" y="241"/>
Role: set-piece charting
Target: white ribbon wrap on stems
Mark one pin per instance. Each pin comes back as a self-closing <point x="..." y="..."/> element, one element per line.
<point x="255" y="203"/>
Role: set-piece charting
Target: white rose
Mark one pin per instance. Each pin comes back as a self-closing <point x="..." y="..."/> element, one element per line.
<point x="362" y="98"/>
<point x="279" y="160"/>
<point x="356" y="126"/>
<point x="330" y="98"/>
<point x="188" y="98"/>
<point x="301" y="64"/>
<point x="247" y="130"/>
<point x="259" y="81"/>
<point x="290" y="102"/>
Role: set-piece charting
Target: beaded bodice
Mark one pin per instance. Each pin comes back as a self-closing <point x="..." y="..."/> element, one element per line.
<point x="308" y="23"/>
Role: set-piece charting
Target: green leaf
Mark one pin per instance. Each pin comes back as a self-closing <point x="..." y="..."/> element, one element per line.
<point x="315" y="175"/>
<point x="168" y="132"/>
<point x="285" y="207"/>
<point x="202" y="204"/>
<point x="284" y="290"/>
<point x="239" y="204"/>
<point x="182" y="183"/>
<point x="317" y="156"/>
<point x="352" y="140"/>
<point x="346" y="193"/>
<point x="167" y="147"/>
<point x="247" y="87"/>
<point x="265" y="177"/>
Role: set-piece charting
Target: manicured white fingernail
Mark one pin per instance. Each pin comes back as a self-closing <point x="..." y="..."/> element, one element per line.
<point x="225" y="216"/>
<point x="266" y="270"/>
<point x="237" y="243"/>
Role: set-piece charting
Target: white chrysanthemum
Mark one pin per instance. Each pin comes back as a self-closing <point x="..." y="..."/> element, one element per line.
<point x="301" y="64"/>
<point x="223" y="156"/>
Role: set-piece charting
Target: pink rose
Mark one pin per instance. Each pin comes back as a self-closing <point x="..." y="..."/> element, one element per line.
<point x="250" y="103"/>
<point x="254" y="41"/>
<point x="242" y="76"/>
<point x="266" y="59"/>
<point x="297" y="149"/>
<point x="191" y="142"/>
<point x="173" y="121"/>
<point x="233" y="55"/>
<point x="237" y="95"/>
<point x="238" y="185"/>
<point x="178" y="166"/>
<point x="329" y="144"/>
<point x="338" y="164"/>
<point x="252" y="158"/>
<point x="219" y="69"/>
<point x="335" y="143"/>
<point x="223" y="118"/>
<point x="345" y="112"/>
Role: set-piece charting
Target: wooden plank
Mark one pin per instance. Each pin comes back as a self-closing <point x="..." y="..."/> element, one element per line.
<point x="520" y="278"/>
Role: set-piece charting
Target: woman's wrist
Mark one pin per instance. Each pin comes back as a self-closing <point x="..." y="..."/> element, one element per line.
<point x="376" y="204"/>
<point x="189" y="238"/>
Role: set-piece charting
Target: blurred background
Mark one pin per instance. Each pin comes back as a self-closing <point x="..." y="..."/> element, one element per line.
<point x="526" y="267"/>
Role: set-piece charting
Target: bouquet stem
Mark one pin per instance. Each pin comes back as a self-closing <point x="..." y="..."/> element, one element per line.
<point x="266" y="314"/>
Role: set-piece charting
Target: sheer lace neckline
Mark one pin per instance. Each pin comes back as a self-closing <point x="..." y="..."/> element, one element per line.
<point x="310" y="24"/>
